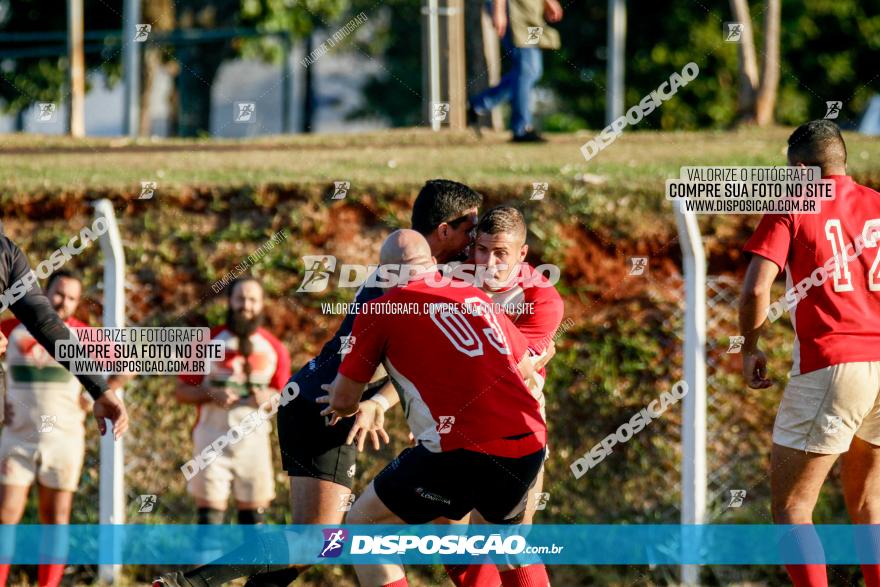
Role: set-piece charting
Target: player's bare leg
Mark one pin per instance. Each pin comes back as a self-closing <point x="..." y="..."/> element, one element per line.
<point x="55" y="505"/>
<point x="54" y="508"/>
<point x="251" y="512"/>
<point x="316" y="501"/>
<point x="462" y="522"/>
<point x="214" y="505"/>
<point x="13" y="499"/>
<point x="480" y="574"/>
<point x="796" y="478"/>
<point x="537" y="488"/>
<point x="519" y="574"/>
<point x="210" y="512"/>
<point x="860" y="474"/>
<point x="369" y="509"/>
<point x="312" y="501"/>
<point x="485" y="573"/>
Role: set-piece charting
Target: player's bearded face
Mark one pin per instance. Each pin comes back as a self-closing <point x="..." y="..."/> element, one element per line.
<point x="245" y="312"/>
<point x="64" y="296"/>
<point x="242" y="325"/>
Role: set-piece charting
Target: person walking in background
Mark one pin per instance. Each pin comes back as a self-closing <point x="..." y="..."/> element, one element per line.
<point x="522" y="26"/>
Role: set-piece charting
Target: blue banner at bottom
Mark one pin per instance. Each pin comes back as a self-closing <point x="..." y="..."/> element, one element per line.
<point x="434" y="544"/>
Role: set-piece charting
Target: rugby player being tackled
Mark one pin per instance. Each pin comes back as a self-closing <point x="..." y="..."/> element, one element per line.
<point x="319" y="457"/>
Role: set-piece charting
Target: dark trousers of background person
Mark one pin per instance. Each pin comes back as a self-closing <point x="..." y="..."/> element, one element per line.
<point x="526" y="68"/>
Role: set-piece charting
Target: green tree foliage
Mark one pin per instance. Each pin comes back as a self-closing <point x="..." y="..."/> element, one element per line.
<point x="30" y="79"/>
<point x="200" y="63"/>
<point x="394" y="95"/>
<point x="829" y="52"/>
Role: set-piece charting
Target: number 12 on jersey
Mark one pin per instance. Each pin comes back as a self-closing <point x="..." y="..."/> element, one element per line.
<point x="842" y="274"/>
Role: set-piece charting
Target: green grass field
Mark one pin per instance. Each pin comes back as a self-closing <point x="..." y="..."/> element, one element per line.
<point x="637" y="161"/>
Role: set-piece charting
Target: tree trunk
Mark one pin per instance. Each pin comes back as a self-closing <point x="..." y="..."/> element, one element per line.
<point x="308" y="103"/>
<point x="766" y="99"/>
<point x="160" y="15"/>
<point x="152" y="63"/>
<point x="174" y="105"/>
<point x="483" y="55"/>
<point x="748" y="63"/>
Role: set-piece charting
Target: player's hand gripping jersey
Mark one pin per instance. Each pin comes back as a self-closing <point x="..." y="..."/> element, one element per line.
<point x="535" y="308"/>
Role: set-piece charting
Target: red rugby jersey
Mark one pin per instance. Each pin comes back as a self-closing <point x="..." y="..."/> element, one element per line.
<point x="839" y="320"/>
<point x="534" y="306"/>
<point x="455" y="370"/>
<point x="270" y="366"/>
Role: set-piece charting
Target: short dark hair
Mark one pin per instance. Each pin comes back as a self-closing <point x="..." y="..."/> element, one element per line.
<point x="238" y="281"/>
<point x="61" y="274"/>
<point x="442" y="200"/>
<point x="503" y="220"/>
<point x="818" y="143"/>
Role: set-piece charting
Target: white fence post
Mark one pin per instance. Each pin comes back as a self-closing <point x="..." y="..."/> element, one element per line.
<point x="693" y="434"/>
<point x="111" y="495"/>
<point x="433" y="60"/>
<point x="131" y="66"/>
<point x="616" y="64"/>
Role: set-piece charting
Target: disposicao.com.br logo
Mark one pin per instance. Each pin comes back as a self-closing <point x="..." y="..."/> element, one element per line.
<point x="475" y="545"/>
<point x="334" y="543"/>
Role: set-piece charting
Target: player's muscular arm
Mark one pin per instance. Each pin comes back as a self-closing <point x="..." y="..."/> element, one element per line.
<point x="345" y="395"/>
<point x="225" y="397"/>
<point x="191" y="394"/>
<point x="754" y="302"/>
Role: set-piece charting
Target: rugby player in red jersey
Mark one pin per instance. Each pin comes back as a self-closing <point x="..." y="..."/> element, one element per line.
<point x="44" y="437"/>
<point x="831" y="405"/>
<point x="256" y="366"/>
<point x="535" y="308"/>
<point x="479" y="431"/>
<point x="529" y="299"/>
